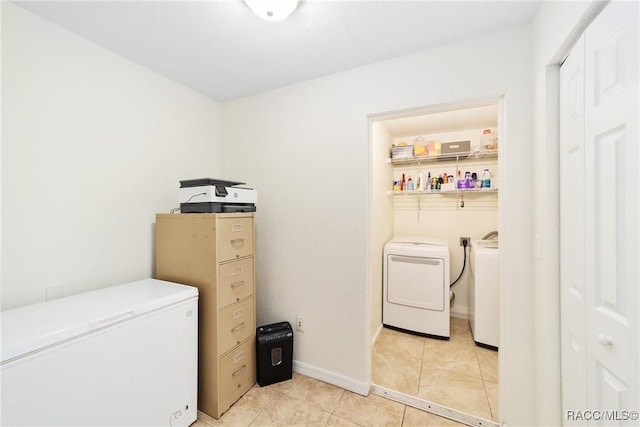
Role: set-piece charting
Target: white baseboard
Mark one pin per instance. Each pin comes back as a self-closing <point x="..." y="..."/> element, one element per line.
<point x="375" y="336"/>
<point x="347" y="383"/>
<point x="461" y="314"/>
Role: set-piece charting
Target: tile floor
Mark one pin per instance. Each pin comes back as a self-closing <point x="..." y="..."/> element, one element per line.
<point x="454" y="373"/>
<point x="304" y="401"/>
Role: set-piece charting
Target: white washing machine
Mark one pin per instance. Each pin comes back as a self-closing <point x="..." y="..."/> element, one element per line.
<point x="484" y="293"/>
<point x="416" y="285"/>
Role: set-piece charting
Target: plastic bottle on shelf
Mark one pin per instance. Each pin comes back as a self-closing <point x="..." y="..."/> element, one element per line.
<point x="420" y="182"/>
<point x="487" y="141"/>
<point x="410" y="186"/>
<point x="486" y="179"/>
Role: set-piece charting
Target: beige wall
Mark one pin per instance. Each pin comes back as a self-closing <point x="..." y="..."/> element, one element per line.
<point x="307" y="146"/>
<point x="381" y="215"/>
<point x="92" y="147"/>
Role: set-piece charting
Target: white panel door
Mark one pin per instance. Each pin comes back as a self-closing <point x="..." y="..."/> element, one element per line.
<point x="599" y="161"/>
<point x="611" y="209"/>
<point x="572" y="275"/>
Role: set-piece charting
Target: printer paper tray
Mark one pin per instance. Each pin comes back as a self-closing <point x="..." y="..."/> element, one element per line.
<point x="216" y="207"/>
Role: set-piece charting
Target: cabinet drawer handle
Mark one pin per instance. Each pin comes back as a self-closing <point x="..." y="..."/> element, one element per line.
<point x="239" y="371"/>
<point x="605" y="340"/>
<point x="240" y="283"/>
<point x="237" y="328"/>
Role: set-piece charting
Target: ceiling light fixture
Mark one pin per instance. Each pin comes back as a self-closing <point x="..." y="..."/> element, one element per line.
<point x="272" y="10"/>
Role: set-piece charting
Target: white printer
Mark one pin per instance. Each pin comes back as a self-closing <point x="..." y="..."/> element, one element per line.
<point x="209" y="195"/>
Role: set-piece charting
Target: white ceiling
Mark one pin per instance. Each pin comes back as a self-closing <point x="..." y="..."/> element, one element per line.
<point x="220" y="49"/>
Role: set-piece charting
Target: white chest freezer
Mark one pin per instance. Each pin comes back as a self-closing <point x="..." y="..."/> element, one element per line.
<point x="123" y="355"/>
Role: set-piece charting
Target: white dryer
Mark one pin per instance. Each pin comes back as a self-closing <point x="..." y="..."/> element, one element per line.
<point x="416" y="285"/>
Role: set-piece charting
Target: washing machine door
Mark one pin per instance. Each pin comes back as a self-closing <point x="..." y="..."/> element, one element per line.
<point x="416" y="282"/>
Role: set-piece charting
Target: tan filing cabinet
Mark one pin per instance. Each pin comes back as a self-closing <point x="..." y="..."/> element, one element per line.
<point x="215" y="253"/>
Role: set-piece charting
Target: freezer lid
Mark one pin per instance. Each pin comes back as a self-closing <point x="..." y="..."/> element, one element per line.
<point x="34" y="327"/>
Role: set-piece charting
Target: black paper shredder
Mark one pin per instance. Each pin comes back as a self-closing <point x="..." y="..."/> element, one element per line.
<point x="274" y="350"/>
